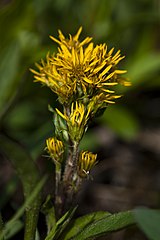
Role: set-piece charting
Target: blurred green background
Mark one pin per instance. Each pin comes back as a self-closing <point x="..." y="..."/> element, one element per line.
<point x="132" y="26"/>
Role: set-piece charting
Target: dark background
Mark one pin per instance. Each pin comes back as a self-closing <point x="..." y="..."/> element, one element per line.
<point x="126" y="137"/>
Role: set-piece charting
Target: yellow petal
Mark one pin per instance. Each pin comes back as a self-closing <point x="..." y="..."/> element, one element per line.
<point x="77" y="34"/>
<point x="61" y="36"/>
<point x="109" y="84"/>
<point x="35" y="72"/>
<point x="108" y="101"/>
<point x="85" y="41"/>
<point x="97" y="69"/>
<point x="73" y="57"/>
<point x="88" y="80"/>
<point x="81" y="55"/>
<point x="118" y="60"/>
<point x="111" y="51"/>
<point x="61" y="114"/>
<point x="55" y="40"/>
<point x="107" y="90"/>
<point x="116" y="55"/>
<point x="105" y="71"/>
<point x="120" y="71"/>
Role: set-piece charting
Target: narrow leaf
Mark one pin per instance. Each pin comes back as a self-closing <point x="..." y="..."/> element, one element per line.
<point x="29" y="175"/>
<point x="49" y="212"/>
<point x="61" y="225"/>
<point x="13" y="228"/>
<point x="29" y="200"/>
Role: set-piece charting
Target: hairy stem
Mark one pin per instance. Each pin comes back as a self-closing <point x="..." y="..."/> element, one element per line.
<point x="70" y="176"/>
<point x="58" y="197"/>
<point x="71" y="164"/>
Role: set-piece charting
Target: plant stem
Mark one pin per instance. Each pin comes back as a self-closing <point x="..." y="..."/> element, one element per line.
<point x="70" y="176"/>
<point x="71" y="164"/>
<point x="58" y="197"/>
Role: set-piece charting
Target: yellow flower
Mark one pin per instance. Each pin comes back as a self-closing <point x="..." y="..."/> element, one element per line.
<point x="61" y="84"/>
<point x="80" y="70"/>
<point x="86" y="162"/>
<point x="76" y="120"/>
<point x="55" y="149"/>
<point x="72" y="41"/>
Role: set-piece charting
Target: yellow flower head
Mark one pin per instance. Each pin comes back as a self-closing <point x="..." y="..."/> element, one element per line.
<point x="71" y="41"/>
<point x="86" y="162"/>
<point x="55" y="149"/>
<point x="80" y="70"/>
<point x="76" y="120"/>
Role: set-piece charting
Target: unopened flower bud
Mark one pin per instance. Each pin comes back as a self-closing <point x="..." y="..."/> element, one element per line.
<point x="86" y="162"/>
<point x="55" y="149"/>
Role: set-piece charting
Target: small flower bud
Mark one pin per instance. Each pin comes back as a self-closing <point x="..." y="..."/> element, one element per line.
<point x="55" y="149"/>
<point x="61" y="131"/>
<point x="76" y="121"/>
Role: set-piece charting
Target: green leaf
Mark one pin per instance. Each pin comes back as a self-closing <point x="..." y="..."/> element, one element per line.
<point x="76" y="226"/>
<point x="13" y="228"/>
<point x="29" y="175"/>
<point x="10" y="224"/>
<point x="149" y="222"/>
<point x="105" y="225"/>
<point x="29" y="200"/>
<point x="49" y="212"/>
<point x="121" y="121"/>
<point x="61" y="225"/>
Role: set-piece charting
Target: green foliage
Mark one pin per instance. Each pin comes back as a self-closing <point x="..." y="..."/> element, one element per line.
<point x="48" y="210"/>
<point x="101" y="225"/>
<point x="13" y="228"/>
<point x="149" y="221"/>
<point x="15" y="224"/>
<point x="78" y="225"/>
<point x="122" y="121"/>
<point x="29" y="23"/>
<point x="142" y="69"/>
<point x="25" y="26"/>
<point x="60" y="225"/>
<point x="29" y="176"/>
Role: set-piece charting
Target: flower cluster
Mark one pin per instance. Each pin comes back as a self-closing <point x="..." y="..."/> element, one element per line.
<point x="80" y="71"/>
<point x="76" y="121"/>
<point x="84" y="77"/>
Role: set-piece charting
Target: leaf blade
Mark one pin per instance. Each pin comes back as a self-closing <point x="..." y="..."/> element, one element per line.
<point x="103" y="226"/>
<point x="77" y="225"/>
<point x="149" y="222"/>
